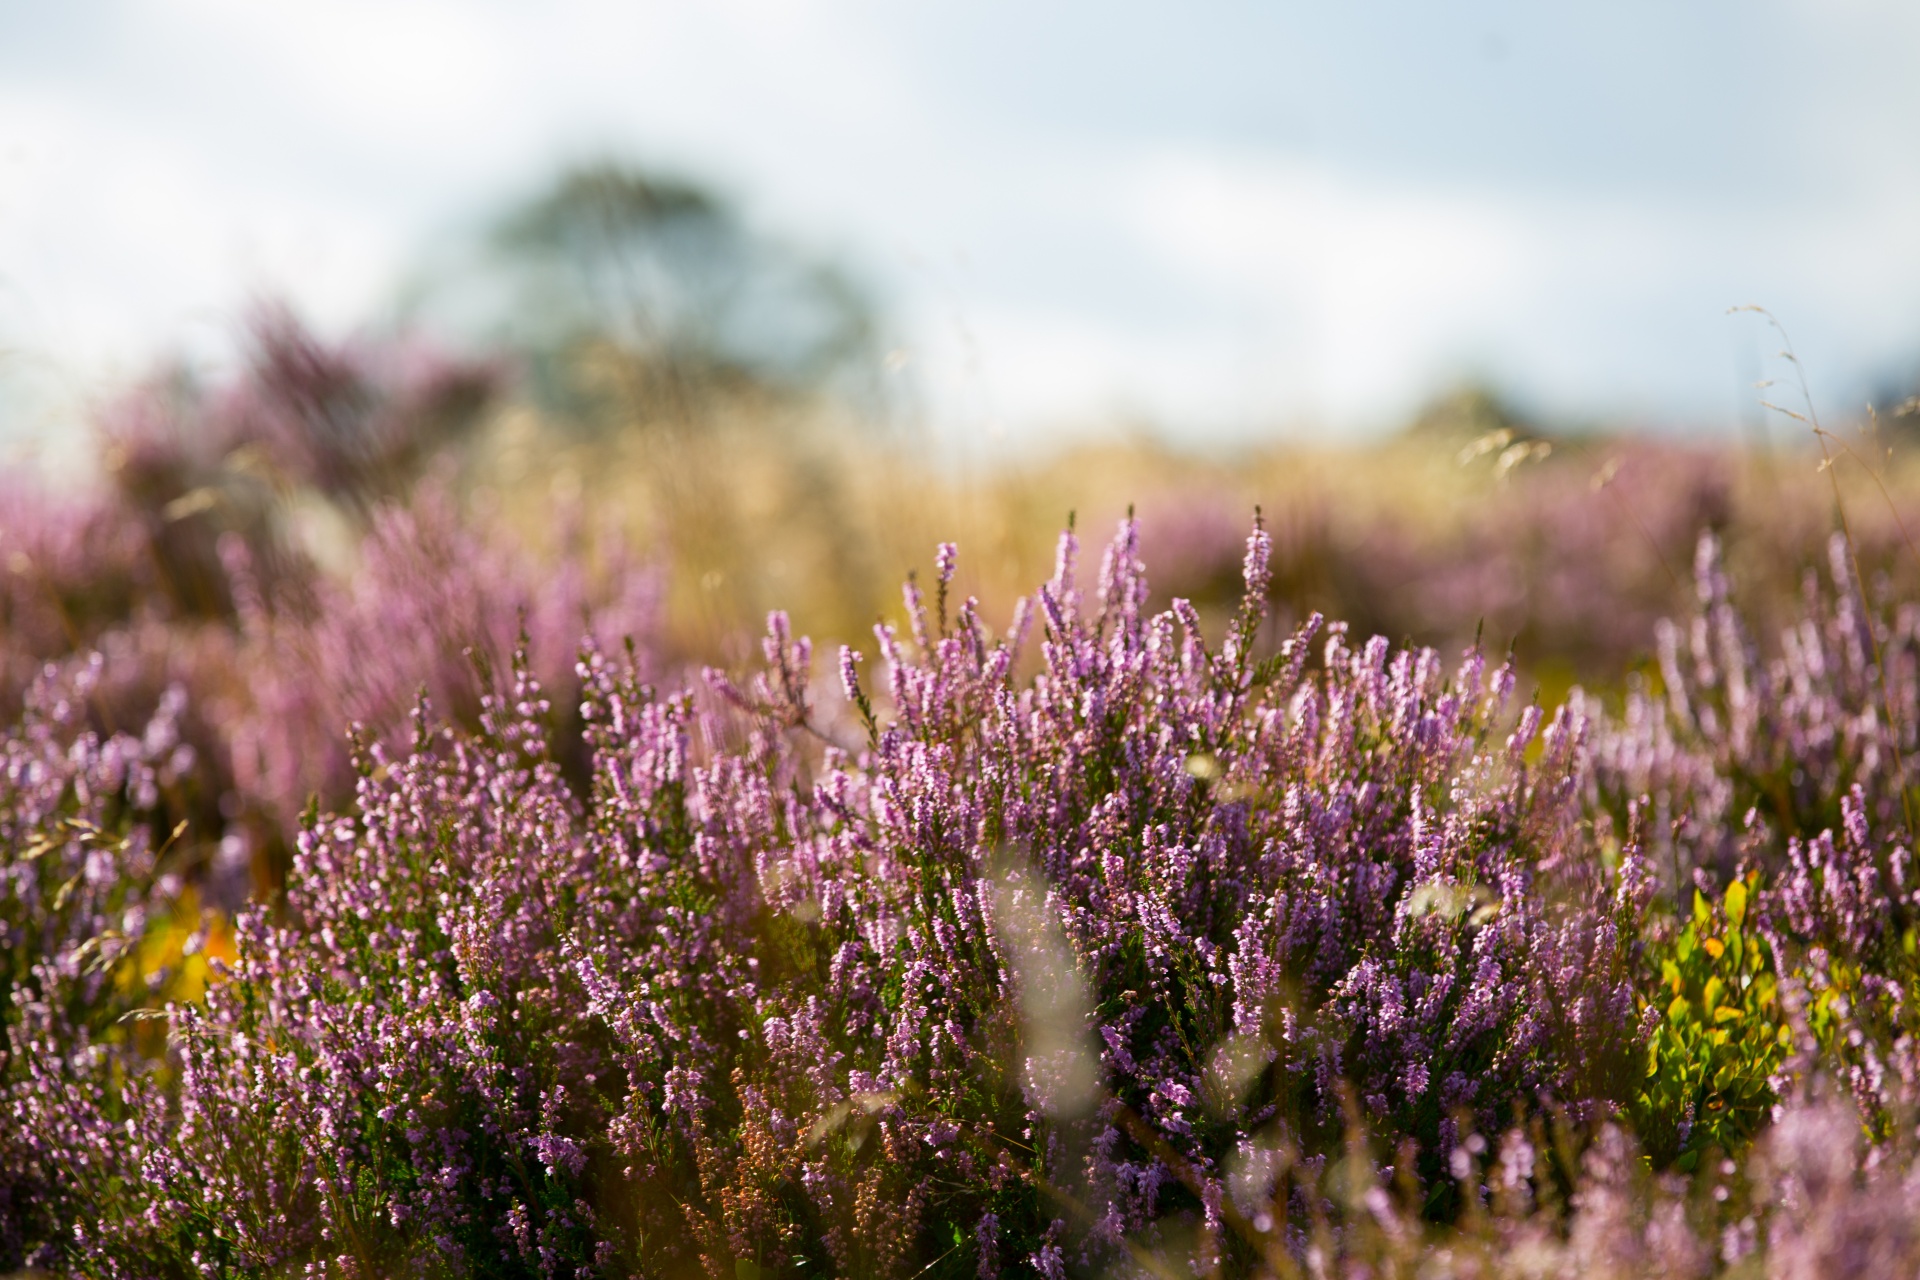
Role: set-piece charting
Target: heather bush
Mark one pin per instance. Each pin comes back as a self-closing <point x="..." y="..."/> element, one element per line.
<point x="85" y="879"/>
<point x="436" y="606"/>
<point x="287" y="547"/>
<point x="1790" y="774"/>
<point x="1744" y="752"/>
<point x="1116" y="942"/>
<point x="1041" y="971"/>
<point x="1566" y="560"/>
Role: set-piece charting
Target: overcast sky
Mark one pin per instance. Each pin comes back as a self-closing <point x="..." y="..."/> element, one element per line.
<point x="1218" y="217"/>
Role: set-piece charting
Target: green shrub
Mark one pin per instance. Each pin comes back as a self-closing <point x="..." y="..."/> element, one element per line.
<point x="1719" y="1040"/>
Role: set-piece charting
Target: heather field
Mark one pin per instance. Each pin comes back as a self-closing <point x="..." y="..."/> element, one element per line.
<point x="431" y="845"/>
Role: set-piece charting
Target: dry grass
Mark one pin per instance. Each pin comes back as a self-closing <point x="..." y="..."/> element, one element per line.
<point x="1449" y="530"/>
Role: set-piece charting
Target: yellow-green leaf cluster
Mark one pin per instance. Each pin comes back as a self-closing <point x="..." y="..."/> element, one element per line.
<point x="1719" y="1040"/>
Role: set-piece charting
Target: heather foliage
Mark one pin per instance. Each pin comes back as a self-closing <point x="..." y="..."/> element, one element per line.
<point x="437" y="606"/>
<point x="1121" y="940"/>
<point x="1046" y="968"/>
<point x="1794" y="773"/>
<point x="1567" y="558"/>
<point x="84" y="879"/>
<point x="289" y="549"/>
<point x="1748" y="757"/>
<point x="1167" y="954"/>
<point x="68" y="569"/>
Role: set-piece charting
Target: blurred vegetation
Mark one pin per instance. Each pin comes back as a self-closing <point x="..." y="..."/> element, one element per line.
<point x="656" y="369"/>
<point x="658" y="365"/>
<point x="640" y="300"/>
<point x="1567" y="549"/>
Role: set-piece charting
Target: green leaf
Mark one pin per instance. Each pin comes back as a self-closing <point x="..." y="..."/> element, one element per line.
<point x="1736" y="903"/>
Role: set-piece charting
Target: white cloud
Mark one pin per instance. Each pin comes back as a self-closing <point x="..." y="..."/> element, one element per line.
<point x="386" y="72"/>
<point x="119" y="238"/>
<point x="1365" y="290"/>
<point x="1371" y="292"/>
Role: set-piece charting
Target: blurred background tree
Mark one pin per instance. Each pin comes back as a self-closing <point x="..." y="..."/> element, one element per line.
<point x="640" y="299"/>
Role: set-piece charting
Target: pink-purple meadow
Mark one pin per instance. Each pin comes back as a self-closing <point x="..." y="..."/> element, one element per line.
<point x="433" y="918"/>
